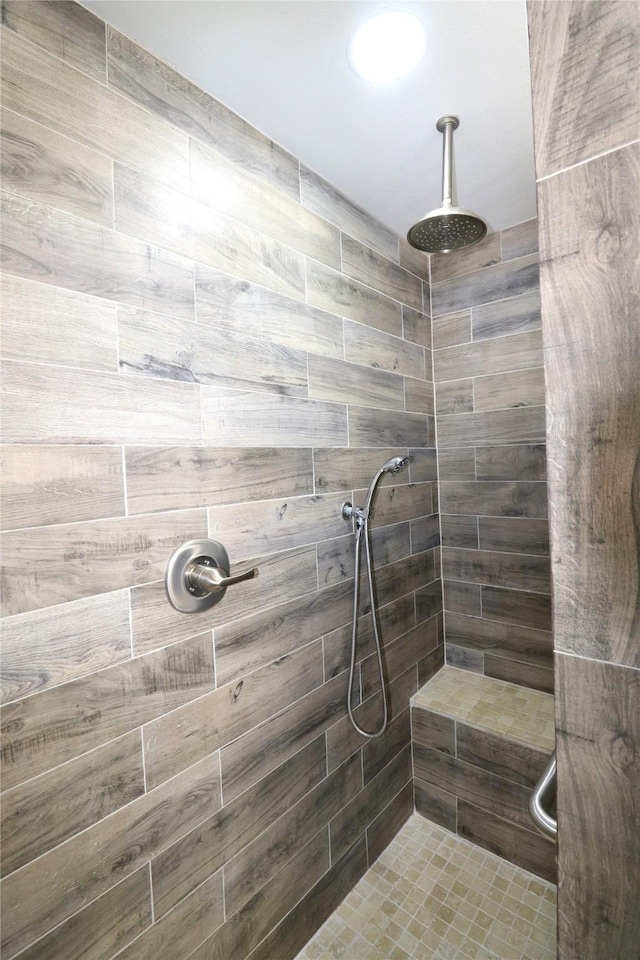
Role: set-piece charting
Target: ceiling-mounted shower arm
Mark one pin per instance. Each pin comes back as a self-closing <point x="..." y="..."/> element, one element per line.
<point x="447" y="125"/>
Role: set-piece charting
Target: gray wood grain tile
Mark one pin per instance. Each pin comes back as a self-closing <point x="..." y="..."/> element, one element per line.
<point x="45" y="405"/>
<point x="492" y="427"/>
<point x="459" y="531"/>
<point x="451" y="329"/>
<point x="425" y="533"/>
<point x="333" y="291"/>
<point x="46" y="324"/>
<point x="495" y="498"/>
<point x="349" y="469"/>
<point x="227" y="189"/>
<point x="292" y="933"/>
<point x="590" y="48"/>
<point x="365" y="807"/>
<point x="509" y="759"/>
<point x="324" y="199"/>
<point x="256" y="640"/>
<point x="336" y="557"/>
<point x="454" y="396"/>
<point x="56" y="725"/>
<point x="367" y="266"/>
<point x="461" y="598"/>
<point x="525" y="462"/>
<point x="363" y="344"/>
<point x="44" y="811"/>
<point x="342" y="738"/>
<point x="445" y="266"/>
<point x="525" y="643"/>
<point x="403" y="577"/>
<point x="40" y="243"/>
<point x="261" y="860"/>
<point x="67" y="30"/>
<point x="236" y="304"/>
<point x="534" y="675"/>
<point x="518" y="571"/>
<point x="183" y="737"/>
<point x="517" y="606"/>
<point x="592" y="357"/>
<point x="517" y="352"/>
<point x="514" y="535"/>
<point x="415" y="262"/>
<point x="377" y="753"/>
<point x="155" y="212"/>
<point x="44" y="88"/>
<point x="54" y="645"/>
<point x="255" y="754"/>
<point x="167" y="478"/>
<point x="40" y="164"/>
<point x="418" y="396"/>
<point x="508" y="840"/>
<point x="503" y="280"/>
<point x="160" y="347"/>
<point x="435" y="804"/>
<point x="283" y="576"/>
<point x="70" y="561"/>
<point x="524" y="388"/>
<point x="597" y="714"/>
<point x="343" y="382"/>
<point x="395" y="503"/>
<point x="42" y="485"/>
<point x="399" y="656"/>
<point x="164" y="92"/>
<point x="434" y="661"/>
<point x="370" y="427"/>
<point x="459" y="464"/>
<point x="193" y="920"/>
<point x="416" y="326"/>
<point x="245" y="929"/>
<point x="239" y="418"/>
<point x="469" y="782"/>
<point x="504" y="317"/>
<point x="185" y="864"/>
<point x="464" y="659"/>
<point x="105" y="925"/>
<point x="45" y="893"/>
<point x="433" y="730"/>
<point x="520" y="240"/>
<point x="394" y="620"/>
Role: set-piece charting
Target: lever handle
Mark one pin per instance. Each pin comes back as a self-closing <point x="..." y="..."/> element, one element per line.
<point x="212" y="579"/>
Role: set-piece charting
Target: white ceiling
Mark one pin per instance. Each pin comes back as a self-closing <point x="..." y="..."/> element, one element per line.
<point x="282" y="66"/>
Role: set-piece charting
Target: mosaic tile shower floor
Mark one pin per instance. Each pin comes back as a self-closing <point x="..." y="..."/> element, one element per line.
<point x="435" y="896"/>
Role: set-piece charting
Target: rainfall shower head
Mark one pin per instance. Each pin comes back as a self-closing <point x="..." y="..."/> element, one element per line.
<point x="395" y="464"/>
<point x="449" y="227"/>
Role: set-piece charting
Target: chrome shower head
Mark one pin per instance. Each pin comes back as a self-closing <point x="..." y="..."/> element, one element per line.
<point x="449" y="227"/>
<point x="395" y="464"/>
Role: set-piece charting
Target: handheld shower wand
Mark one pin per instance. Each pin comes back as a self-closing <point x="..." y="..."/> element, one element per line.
<point x="361" y="517"/>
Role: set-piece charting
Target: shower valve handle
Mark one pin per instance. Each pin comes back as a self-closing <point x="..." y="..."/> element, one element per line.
<point x="197" y="576"/>
<point x="211" y="579"/>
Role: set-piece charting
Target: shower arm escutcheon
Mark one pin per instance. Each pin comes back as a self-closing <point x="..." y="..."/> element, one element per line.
<point x="197" y="576"/>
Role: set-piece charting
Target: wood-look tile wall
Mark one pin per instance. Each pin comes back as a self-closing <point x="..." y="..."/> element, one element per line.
<point x="490" y="415"/>
<point x="200" y="338"/>
<point x="586" y="98"/>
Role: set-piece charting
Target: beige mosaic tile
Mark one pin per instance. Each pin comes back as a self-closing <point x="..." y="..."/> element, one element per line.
<point x="434" y="896"/>
<point x="494" y="705"/>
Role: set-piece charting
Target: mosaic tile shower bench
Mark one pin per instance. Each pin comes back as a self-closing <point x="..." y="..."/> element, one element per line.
<point x="479" y="746"/>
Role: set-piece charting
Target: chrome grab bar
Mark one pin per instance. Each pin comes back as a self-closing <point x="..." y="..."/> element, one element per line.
<point x="541" y="800"/>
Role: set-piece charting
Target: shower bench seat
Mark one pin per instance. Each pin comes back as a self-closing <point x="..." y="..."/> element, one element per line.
<point x="479" y="747"/>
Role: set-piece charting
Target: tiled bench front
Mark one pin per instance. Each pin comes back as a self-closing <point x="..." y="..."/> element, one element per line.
<point x="479" y="746"/>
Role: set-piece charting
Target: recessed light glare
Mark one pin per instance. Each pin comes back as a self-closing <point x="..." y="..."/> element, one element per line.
<point x="388" y="46"/>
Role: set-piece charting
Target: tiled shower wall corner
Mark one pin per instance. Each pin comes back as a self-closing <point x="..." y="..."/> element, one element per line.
<point x="200" y="338"/>
<point x="490" y="416"/>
